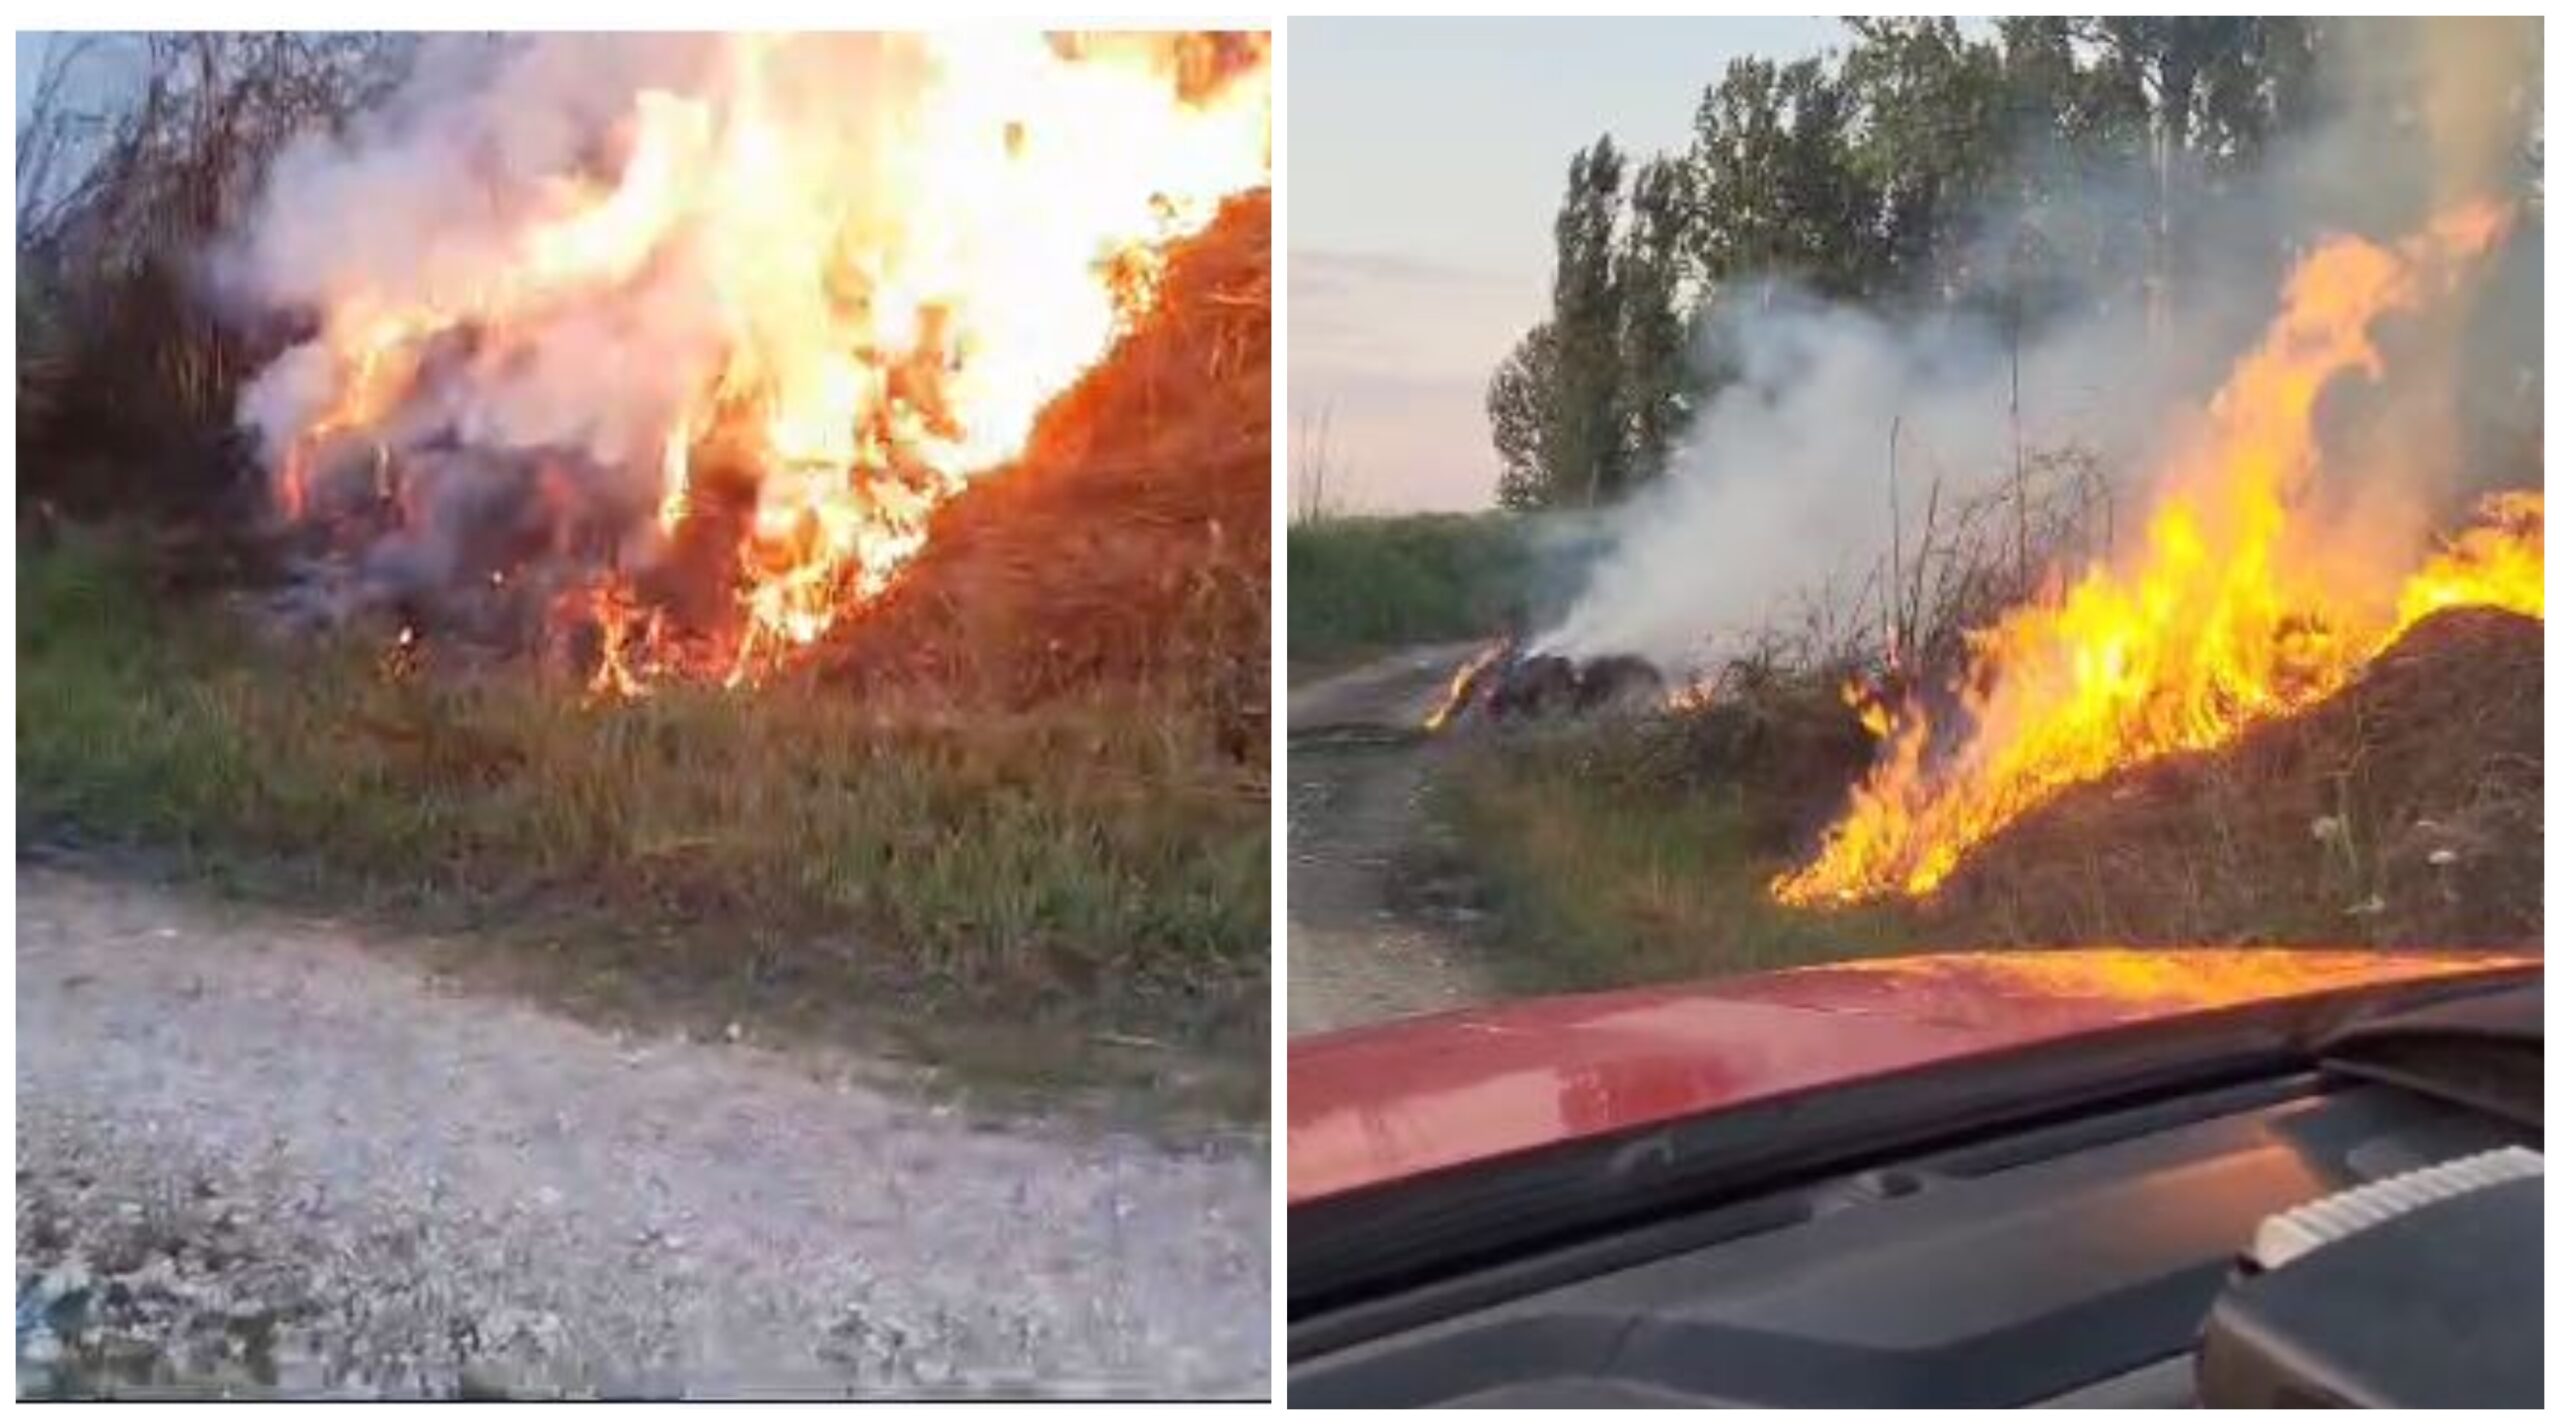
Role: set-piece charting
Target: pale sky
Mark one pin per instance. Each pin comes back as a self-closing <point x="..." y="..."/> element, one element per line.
<point x="1426" y="159"/>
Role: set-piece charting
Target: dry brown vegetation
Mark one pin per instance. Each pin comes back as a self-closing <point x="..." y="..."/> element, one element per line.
<point x="2404" y="811"/>
<point x="1131" y="546"/>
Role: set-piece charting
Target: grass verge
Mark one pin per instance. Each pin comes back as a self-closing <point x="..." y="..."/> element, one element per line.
<point x="1602" y="869"/>
<point x="1091" y="870"/>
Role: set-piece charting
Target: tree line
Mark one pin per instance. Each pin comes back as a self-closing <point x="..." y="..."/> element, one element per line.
<point x="2007" y="170"/>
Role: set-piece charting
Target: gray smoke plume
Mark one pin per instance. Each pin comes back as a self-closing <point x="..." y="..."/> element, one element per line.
<point x="1782" y="485"/>
<point x="600" y="302"/>
<point x="415" y="206"/>
<point x="555" y="434"/>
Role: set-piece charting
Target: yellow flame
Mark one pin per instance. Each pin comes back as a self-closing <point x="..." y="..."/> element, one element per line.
<point x="1694" y="696"/>
<point x="1462" y="686"/>
<point x="2224" y="616"/>
<point x="894" y="307"/>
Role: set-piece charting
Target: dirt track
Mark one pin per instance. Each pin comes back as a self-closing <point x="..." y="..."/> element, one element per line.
<point x="263" y="1154"/>
<point x="1359" y="948"/>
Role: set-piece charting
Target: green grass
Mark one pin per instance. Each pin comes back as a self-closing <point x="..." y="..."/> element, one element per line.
<point x="1095" y="864"/>
<point x="1359" y="584"/>
<point x="1606" y="868"/>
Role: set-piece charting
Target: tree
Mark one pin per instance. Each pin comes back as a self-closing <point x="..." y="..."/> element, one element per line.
<point x="1931" y="139"/>
<point x="1655" y="378"/>
<point x="1588" y="403"/>
<point x="2214" y="90"/>
<point x="2023" y="172"/>
<point x="1585" y="456"/>
<point x="1775" y="190"/>
<point x="1519" y="403"/>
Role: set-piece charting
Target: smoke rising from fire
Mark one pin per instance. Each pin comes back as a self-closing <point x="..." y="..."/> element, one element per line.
<point x="420" y="208"/>
<point x="716" y="321"/>
<point x="1780" y="491"/>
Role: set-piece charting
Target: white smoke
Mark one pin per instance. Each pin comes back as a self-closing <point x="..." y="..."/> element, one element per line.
<point x="419" y="206"/>
<point x="1782" y="487"/>
<point x="1788" y="476"/>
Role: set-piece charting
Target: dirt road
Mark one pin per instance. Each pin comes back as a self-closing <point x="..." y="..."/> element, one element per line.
<point x="266" y="1154"/>
<point x="1366" y="942"/>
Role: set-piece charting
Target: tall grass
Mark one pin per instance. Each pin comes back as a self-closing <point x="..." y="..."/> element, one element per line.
<point x="1609" y="861"/>
<point x="1095" y="860"/>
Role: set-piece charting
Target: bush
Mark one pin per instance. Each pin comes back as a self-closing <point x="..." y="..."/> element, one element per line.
<point x="128" y="374"/>
<point x="1362" y="583"/>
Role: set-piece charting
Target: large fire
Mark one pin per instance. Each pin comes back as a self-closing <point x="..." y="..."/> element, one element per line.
<point x="2233" y="608"/>
<point x="825" y="330"/>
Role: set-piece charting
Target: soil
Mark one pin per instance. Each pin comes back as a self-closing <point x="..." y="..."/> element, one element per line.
<point x="1374" y="932"/>
<point x="261" y="1155"/>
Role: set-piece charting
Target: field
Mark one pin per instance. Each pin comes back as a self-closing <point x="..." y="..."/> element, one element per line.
<point x="1361" y="584"/>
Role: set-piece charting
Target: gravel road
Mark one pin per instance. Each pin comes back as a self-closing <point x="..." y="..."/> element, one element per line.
<point x="1361" y="948"/>
<point x="265" y="1155"/>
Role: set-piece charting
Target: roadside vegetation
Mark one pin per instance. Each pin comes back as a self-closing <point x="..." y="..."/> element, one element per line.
<point x="2008" y="177"/>
<point x="1638" y="849"/>
<point x="1362" y="584"/>
<point x="2403" y="812"/>
<point x="1094" y="860"/>
<point x="1016" y="818"/>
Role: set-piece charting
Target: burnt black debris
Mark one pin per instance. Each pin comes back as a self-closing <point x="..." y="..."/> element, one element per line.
<point x="1517" y="685"/>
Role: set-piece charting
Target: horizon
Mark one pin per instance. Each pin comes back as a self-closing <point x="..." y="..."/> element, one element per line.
<point x="1405" y="293"/>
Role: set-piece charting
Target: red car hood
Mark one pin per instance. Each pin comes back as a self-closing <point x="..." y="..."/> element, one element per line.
<point x="1385" y="1102"/>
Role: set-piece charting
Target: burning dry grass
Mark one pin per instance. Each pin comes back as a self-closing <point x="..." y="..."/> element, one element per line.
<point x="1020" y="800"/>
<point x="859" y="299"/>
<point x="2246" y="598"/>
<point x="2404" y="811"/>
<point x="1131" y="546"/>
<point x="1095" y="862"/>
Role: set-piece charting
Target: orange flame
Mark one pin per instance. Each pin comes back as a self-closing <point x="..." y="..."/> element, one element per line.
<point x="893" y="309"/>
<point x="1695" y="696"/>
<point x="2226" y="614"/>
<point x="1462" y="686"/>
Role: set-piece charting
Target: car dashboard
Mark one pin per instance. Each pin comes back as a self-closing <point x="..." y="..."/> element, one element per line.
<point x="2064" y="1264"/>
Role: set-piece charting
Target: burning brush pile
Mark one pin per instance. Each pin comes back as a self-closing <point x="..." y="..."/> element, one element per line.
<point x="1507" y="682"/>
<point x="2406" y="809"/>
<point x="2281" y="694"/>
<point x="1130" y="543"/>
<point x="664" y="359"/>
